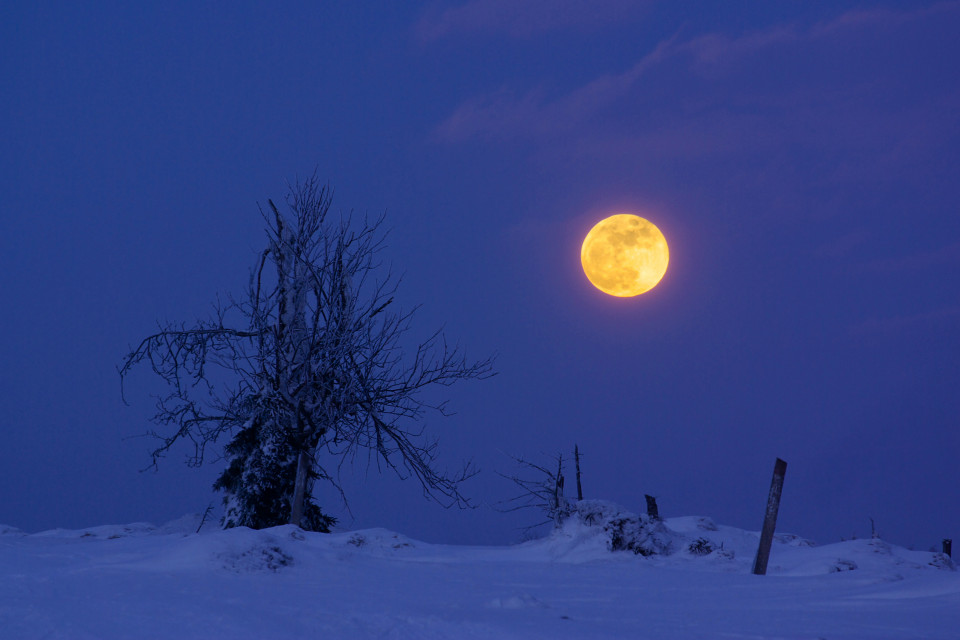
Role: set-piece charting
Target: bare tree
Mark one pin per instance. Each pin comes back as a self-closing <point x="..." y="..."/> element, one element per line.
<point x="306" y="370"/>
<point x="541" y="490"/>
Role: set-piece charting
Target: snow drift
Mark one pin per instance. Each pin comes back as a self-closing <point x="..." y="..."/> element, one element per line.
<point x="606" y="573"/>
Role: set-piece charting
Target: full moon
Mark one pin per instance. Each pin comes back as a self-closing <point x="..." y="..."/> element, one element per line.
<point x="624" y="255"/>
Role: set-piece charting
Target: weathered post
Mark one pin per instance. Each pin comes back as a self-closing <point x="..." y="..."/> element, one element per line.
<point x="947" y="546"/>
<point x="770" y="518"/>
<point x="558" y="504"/>
<point x="652" y="510"/>
<point x="576" y="457"/>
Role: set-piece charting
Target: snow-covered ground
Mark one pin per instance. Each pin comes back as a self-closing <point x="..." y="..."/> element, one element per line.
<point x="140" y="581"/>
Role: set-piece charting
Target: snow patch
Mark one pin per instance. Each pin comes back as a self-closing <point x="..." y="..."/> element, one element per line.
<point x="377" y="542"/>
<point x="258" y="558"/>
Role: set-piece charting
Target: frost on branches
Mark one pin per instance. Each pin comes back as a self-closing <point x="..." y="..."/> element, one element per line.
<point x="304" y="371"/>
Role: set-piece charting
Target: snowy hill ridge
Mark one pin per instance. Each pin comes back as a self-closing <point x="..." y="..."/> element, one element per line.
<point x="677" y="578"/>
<point x="596" y="527"/>
<point x="595" y="531"/>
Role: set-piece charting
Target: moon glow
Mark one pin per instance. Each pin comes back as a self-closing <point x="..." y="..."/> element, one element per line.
<point x="624" y="255"/>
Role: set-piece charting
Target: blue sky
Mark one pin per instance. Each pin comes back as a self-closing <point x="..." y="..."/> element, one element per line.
<point x="801" y="159"/>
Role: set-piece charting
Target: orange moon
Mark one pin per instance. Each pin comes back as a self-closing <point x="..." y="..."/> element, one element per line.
<point x="624" y="255"/>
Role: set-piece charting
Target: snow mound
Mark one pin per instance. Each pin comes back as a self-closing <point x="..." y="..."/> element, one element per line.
<point x="595" y="528"/>
<point x="106" y="532"/>
<point x="874" y="556"/>
<point x="623" y="530"/>
<point x="189" y="523"/>
<point x="244" y="550"/>
<point x="732" y="549"/>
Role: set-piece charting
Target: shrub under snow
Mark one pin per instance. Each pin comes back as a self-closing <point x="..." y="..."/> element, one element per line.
<point x="622" y="529"/>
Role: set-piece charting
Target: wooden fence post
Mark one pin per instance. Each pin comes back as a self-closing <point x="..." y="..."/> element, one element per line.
<point x="576" y="456"/>
<point x="770" y="518"/>
<point x="652" y="510"/>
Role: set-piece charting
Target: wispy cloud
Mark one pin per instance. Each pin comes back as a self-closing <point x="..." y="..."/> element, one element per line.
<point x="714" y="48"/>
<point x="524" y="18"/>
<point x="859" y="18"/>
<point x="504" y="113"/>
<point x="510" y="114"/>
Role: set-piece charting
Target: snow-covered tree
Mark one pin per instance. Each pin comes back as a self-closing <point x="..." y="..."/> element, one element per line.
<point x="257" y="481"/>
<point x="304" y="371"/>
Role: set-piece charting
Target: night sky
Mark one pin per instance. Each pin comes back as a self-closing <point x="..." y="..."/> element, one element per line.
<point x="801" y="159"/>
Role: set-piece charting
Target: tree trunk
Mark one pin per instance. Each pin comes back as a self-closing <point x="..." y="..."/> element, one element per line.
<point x="298" y="502"/>
<point x="291" y="349"/>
